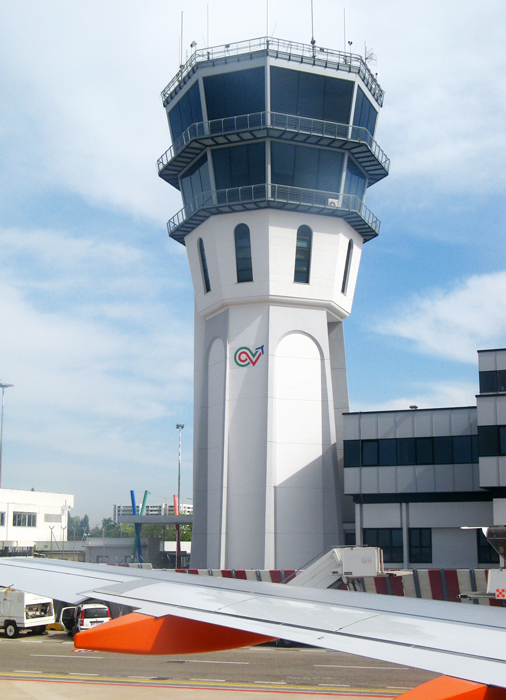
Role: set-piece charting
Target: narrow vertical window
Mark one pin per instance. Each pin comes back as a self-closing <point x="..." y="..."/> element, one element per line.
<point x="303" y="254"/>
<point x="243" y="253"/>
<point x="347" y="265"/>
<point x="203" y="265"/>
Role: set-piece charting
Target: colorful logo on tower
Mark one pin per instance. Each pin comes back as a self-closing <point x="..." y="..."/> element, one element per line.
<point x="244" y="356"/>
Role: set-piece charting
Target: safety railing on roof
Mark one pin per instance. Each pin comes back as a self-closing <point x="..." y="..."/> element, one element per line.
<point x="284" y="195"/>
<point x="290" y="50"/>
<point x="274" y="120"/>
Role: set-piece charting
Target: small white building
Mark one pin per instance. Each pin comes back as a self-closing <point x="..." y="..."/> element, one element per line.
<point x="27" y="517"/>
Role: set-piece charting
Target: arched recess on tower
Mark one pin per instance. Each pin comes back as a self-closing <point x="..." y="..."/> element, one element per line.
<point x="304" y="464"/>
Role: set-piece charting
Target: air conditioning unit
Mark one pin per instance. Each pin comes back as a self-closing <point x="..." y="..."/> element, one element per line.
<point x="333" y="203"/>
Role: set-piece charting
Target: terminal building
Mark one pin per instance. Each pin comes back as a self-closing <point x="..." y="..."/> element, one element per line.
<point x="418" y="477"/>
<point x="273" y="150"/>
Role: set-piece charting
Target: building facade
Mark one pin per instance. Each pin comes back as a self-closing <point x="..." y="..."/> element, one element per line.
<point x="27" y="517"/>
<point x="418" y="477"/>
<point x="273" y="151"/>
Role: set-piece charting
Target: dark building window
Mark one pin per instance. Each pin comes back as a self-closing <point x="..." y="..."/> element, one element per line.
<point x="492" y="440"/>
<point x="243" y="253"/>
<point x="308" y="95"/>
<point x="486" y="553"/>
<point x="350" y="539"/>
<point x="493" y="381"/>
<point x="195" y="180"/>
<point x="390" y="541"/>
<point x="365" y="114"/>
<point x="203" y="266"/>
<point x="352" y="453"/>
<point x="369" y="453"/>
<point x="303" y="254"/>
<point x="233" y="94"/>
<point x="24" y="519"/>
<point x="420" y="545"/>
<point x="186" y="112"/>
<point x="355" y="180"/>
<point x="347" y="266"/>
<point x="2" y="519"/>
<point x="239" y="166"/>
<point x="406" y="451"/>
<point x="387" y="452"/>
<point x="459" y="449"/>
<point x="306" y="167"/>
<point x="443" y="450"/>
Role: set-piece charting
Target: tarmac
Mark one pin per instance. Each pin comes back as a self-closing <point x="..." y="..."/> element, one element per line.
<point x="82" y="690"/>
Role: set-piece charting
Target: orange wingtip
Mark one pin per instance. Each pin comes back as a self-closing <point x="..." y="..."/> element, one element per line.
<point x="141" y="634"/>
<point x="447" y="688"/>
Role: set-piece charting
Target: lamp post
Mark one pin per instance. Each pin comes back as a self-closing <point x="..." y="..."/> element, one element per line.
<point x="3" y="386"/>
<point x="179" y="426"/>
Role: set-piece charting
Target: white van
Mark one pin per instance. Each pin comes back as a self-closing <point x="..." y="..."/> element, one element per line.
<point x="83" y="617"/>
<point x="24" y="611"/>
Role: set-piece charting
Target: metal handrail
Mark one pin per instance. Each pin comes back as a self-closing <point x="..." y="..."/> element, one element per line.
<point x="276" y="120"/>
<point x="282" y="194"/>
<point x="339" y="60"/>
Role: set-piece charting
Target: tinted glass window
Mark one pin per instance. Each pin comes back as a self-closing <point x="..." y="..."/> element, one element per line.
<point x="365" y="114"/>
<point x="203" y="266"/>
<point x="243" y="253"/>
<point x="443" y="450"/>
<point x="486" y="553"/>
<point x="195" y="180"/>
<point x="475" y="448"/>
<point x="424" y="453"/>
<point x="501" y="380"/>
<point x="488" y="439"/>
<point x="502" y="439"/>
<point x="462" y="449"/>
<point x="347" y="266"/>
<point x="406" y="451"/>
<point x="186" y="112"/>
<point x="303" y="254"/>
<point x="355" y="180"/>
<point x="488" y="382"/>
<point x="388" y="452"/>
<point x="239" y="166"/>
<point x="352" y="453"/>
<point x="420" y="545"/>
<point x="370" y="453"/>
<point x="313" y="96"/>
<point x="309" y="168"/>
<point x="390" y="541"/>
<point x="232" y="94"/>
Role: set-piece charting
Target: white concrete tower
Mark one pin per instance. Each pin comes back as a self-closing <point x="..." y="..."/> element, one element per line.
<point x="273" y="149"/>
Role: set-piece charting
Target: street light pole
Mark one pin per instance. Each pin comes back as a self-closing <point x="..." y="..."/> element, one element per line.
<point x="179" y="427"/>
<point x="3" y="386"/>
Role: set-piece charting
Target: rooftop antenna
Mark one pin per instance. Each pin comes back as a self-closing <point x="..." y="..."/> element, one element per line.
<point x="369" y="55"/>
<point x="208" y="44"/>
<point x="344" y="28"/>
<point x="267" y="18"/>
<point x="181" y="43"/>
<point x="313" y="42"/>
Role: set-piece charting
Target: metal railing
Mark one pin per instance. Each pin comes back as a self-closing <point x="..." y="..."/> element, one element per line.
<point x="275" y="120"/>
<point x="291" y="50"/>
<point x="275" y="194"/>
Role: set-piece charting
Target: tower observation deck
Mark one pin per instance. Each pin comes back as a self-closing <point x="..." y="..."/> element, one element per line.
<point x="273" y="149"/>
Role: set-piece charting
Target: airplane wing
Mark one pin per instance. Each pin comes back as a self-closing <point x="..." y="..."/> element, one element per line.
<point x="175" y="613"/>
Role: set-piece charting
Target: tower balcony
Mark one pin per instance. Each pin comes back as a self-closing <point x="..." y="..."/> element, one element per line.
<point x="261" y="125"/>
<point x="346" y="206"/>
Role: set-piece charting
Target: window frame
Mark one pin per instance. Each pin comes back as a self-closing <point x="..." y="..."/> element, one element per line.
<point x="301" y="256"/>
<point x="203" y="266"/>
<point x="24" y="519"/>
<point x="246" y="273"/>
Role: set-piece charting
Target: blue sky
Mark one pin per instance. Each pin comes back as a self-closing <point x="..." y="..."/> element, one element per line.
<point x="96" y="303"/>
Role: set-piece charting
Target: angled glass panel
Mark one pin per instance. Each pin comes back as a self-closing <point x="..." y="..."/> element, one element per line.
<point x="243" y="253"/>
<point x="303" y="254"/>
<point x="233" y="94"/>
<point x="187" y="111"/>
<point x="346" y="276"/>
<point x="355" y="180"/>
<point x="365" y="114"/>
<point x="330" y="168"/>
<point x="203" y="266"/>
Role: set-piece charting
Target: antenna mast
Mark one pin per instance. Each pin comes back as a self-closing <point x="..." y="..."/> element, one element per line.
<point x="313" y="42"/>
<point x="181" y="45"/>
<point x="208" y="44"/>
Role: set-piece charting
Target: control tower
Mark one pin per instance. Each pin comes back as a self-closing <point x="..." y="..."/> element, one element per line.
<point x="273" y="150"/>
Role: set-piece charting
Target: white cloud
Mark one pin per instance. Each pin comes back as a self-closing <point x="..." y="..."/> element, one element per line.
<point x="456" y="322"/>
<point x="428" y="395"/>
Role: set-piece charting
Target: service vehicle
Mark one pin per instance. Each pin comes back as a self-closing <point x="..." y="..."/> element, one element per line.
<point x="83" y="617"/>
<point x="24" y="611"/>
